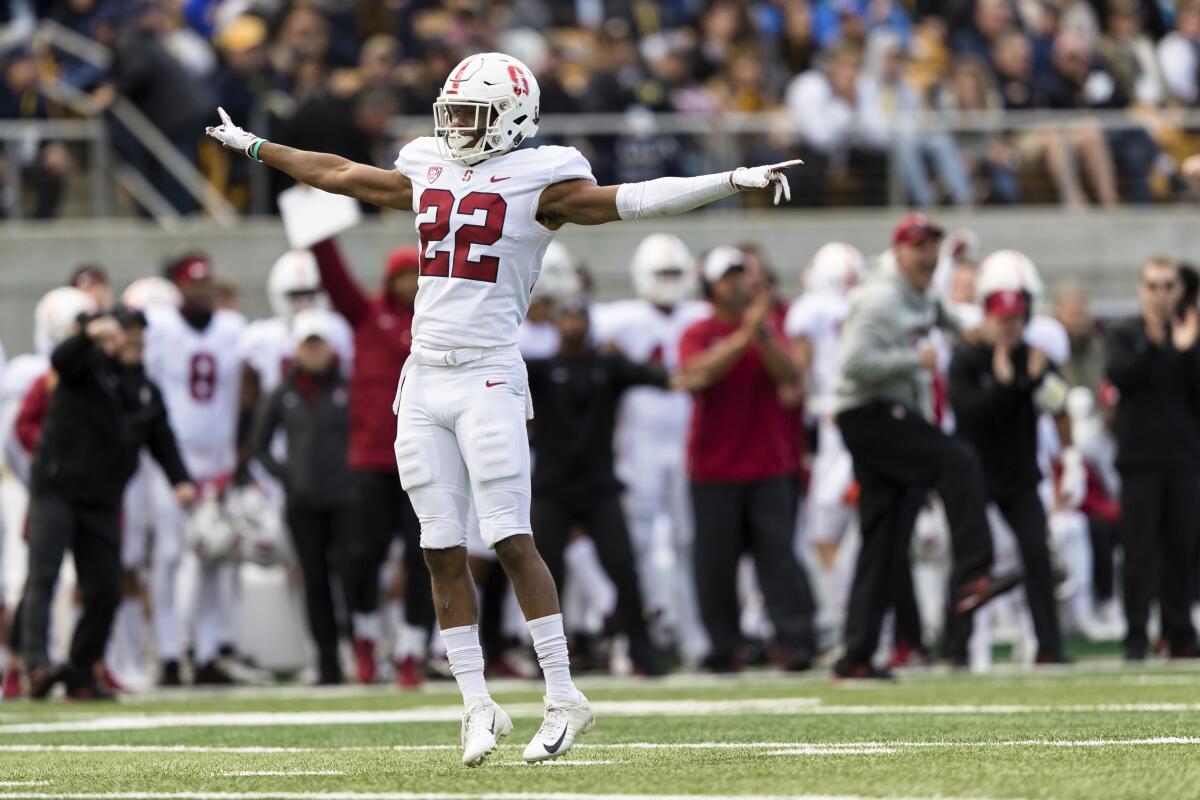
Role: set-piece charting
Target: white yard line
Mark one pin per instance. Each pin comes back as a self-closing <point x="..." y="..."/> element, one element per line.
<point x="768" y="747"/>
<point x="831" y="751"/>
<point x="269" y="773"/>
<point x="558" y="762"/>
<point x="135" y="795"/>
<point x="7" y="784"/>
<point x="633" y="708"/>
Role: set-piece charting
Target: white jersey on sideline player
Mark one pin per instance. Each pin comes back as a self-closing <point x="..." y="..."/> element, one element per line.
<point x="199" y="374"/>
<point x="652" y="427"/>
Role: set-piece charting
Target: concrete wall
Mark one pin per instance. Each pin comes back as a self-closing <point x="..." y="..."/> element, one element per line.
<point x="1099" y="248"/>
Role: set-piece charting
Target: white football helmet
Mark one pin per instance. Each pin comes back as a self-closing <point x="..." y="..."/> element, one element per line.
<point x="499" y="95"/>
<point x="209" y="531"/>
<point x="559" y="278"/>
<point x="55" y="315"/>
<point x="294" y="272"/>
<point x="1009" y="271"/>
<point x="150" y="292"/>
<point x="258" y="524"/>
<point x="662" y="270"/>
<point x="834" y="269"/>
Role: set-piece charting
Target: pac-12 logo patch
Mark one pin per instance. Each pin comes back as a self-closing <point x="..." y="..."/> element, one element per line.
<point x="433" y="174"/>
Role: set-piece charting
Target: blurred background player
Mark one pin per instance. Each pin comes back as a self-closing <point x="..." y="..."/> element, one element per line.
<point x="192" y="354"/>
<point x="651" y="440"/>
<point x="813" y="325"/>
<point x="311" y="408"/>
<point x="382" y="325"/>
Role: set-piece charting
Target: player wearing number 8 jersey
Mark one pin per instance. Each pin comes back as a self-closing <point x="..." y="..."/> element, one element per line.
<point x="485" y="213"/>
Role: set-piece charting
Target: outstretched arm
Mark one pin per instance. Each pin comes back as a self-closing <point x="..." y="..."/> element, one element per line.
<point x="584" y="203"/>
<point x="330" y="173"/>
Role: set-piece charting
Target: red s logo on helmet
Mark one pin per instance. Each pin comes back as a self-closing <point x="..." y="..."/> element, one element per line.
<point x="520" y="84"/>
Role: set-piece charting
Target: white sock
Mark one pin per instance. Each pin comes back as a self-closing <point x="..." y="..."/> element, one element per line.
<point x="466" y="661"/>
<point x="550" y="644"/>
<point x="367" y="626"/>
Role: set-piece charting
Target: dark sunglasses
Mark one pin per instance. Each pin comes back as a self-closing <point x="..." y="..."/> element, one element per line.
<point x="1157" y="286"/>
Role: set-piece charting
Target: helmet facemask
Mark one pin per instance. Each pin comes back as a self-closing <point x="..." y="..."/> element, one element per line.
<point x="468" y="131"/>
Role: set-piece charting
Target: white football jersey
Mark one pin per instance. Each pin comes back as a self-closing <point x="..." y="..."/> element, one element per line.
<point x="199" y="373"/>
<point x="643" y="333"/>
<point x="268" y="346"/>
<point x="19" y="375"/>
<point x="818" y="317"/>
<point x="481" y="246"/>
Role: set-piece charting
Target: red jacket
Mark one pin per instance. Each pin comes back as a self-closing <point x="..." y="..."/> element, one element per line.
<point x="32" y="416"/>
<point x="382" y="338"/>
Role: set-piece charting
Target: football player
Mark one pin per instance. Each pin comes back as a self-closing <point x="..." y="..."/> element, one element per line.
<point x="486" y="211"/>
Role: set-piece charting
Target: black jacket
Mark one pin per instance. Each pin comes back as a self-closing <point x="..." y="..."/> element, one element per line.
<point x="314" y="414"/>
<point x="999" y="420"/>
<point x="101" y="414"/>
<point x="1158" y="414"/>
<point x="575" y="406"/>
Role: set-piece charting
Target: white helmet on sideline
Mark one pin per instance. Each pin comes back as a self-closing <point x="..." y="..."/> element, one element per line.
<point x="294" y="273"/>
<point x="1009" y="271"/>
<point x="502" y="97"/>
<point x="258" y="524"/>
<point x="834" y="269"/>
<point x="662" y="269"/>
<point x="559" y="277"/>
<point x="209" y="531"/>
<point x="55" y="315"/>
<point x="150" y="292"/>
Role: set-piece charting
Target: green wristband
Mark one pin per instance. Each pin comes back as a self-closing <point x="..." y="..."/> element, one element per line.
<point x="253" y="149"/>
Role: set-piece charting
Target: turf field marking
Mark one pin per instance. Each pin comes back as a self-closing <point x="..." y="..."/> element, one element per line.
<point x="135" y="795"/>
<point x="831" y="751"/>
<point x="558" y="762"/>
<point x="277" y="773"/>
<point x="636" y="708"/>
<point x="24" y="783"/>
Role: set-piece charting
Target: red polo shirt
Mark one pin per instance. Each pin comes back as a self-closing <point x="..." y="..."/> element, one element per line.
<point x="740" y="432"/>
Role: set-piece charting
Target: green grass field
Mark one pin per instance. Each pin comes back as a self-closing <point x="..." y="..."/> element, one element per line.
<point x="1085" y="732"/>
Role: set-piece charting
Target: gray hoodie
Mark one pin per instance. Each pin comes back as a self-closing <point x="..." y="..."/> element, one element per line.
<point x="888" y="323"/>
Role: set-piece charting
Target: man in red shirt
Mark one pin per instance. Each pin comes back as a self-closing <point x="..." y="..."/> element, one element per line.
<point x="741" y="464"/>
<point x="382" y="326"/>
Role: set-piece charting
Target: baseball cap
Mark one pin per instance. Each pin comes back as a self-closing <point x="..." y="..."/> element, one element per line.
<point x="403" y="259"/>
<point x="190" y="269"/>
<point x="915" y="228"/>
<point x="314" y="323"/>
<point x="1006" y="303"/>
<point x="720" y="260"/>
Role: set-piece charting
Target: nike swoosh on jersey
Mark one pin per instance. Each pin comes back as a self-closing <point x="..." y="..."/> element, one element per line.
<point x="557" y="744"/>
<point x="497" y="180"/>
<point x="490" y="384"/>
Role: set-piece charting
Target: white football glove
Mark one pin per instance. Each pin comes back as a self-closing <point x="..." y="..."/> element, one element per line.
<point x="231" y="135"/>
<point x="762" y="177"/>
<point x="1072" y="484"/>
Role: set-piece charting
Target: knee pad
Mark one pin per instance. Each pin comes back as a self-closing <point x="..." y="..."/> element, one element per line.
<point x="416" y="461"/>
<point x="494" y="452"/>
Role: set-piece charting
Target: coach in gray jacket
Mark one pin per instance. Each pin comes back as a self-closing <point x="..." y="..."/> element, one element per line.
<point x="883" y="400"/>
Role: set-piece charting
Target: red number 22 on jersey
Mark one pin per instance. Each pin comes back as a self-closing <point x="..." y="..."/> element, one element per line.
<point x="484" y="268"/>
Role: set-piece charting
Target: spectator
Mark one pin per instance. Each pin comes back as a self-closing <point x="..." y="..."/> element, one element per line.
<point x="991" y="161"/>
<point x="883" y="400"/>
<point x="103" y="410"/>
<point x="823" y="106"/>
<point x="576" y="393"/>
<point x="1179" y="55"/>
<point x="797" y="46"/>
<point x="853" y="21"/>
<point x="382" y="338"/>
<point x="741" y="465"/>
<point x="890" y="109"/>
<point x="994" y="386"/>
<point x="991" y="20"/>
<point x="1088" y="358"/>
<point x="310" y="407"/>
<point x="43" y="164"/>
<point x="1131" y="56"/>
<point x="1154" y="362"/>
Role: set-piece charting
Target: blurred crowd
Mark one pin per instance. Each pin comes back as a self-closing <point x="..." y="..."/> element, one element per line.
<point x="712" y="488"/>
<point x="845" y="84"/>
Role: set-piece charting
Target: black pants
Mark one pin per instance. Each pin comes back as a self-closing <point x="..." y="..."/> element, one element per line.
<point x="1104" y="542"/>
<point x="759" y="517"/>
<point x="1026" y="516"/>
<point x="320" y="537"/>
<point x="384" y="513"/>
<point x="895" y="451"/>
<point x="603" y="519"/>
<point x="93" y="536"/>
<point x="906" y="615"/>
<point x="1160" y="515"/>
